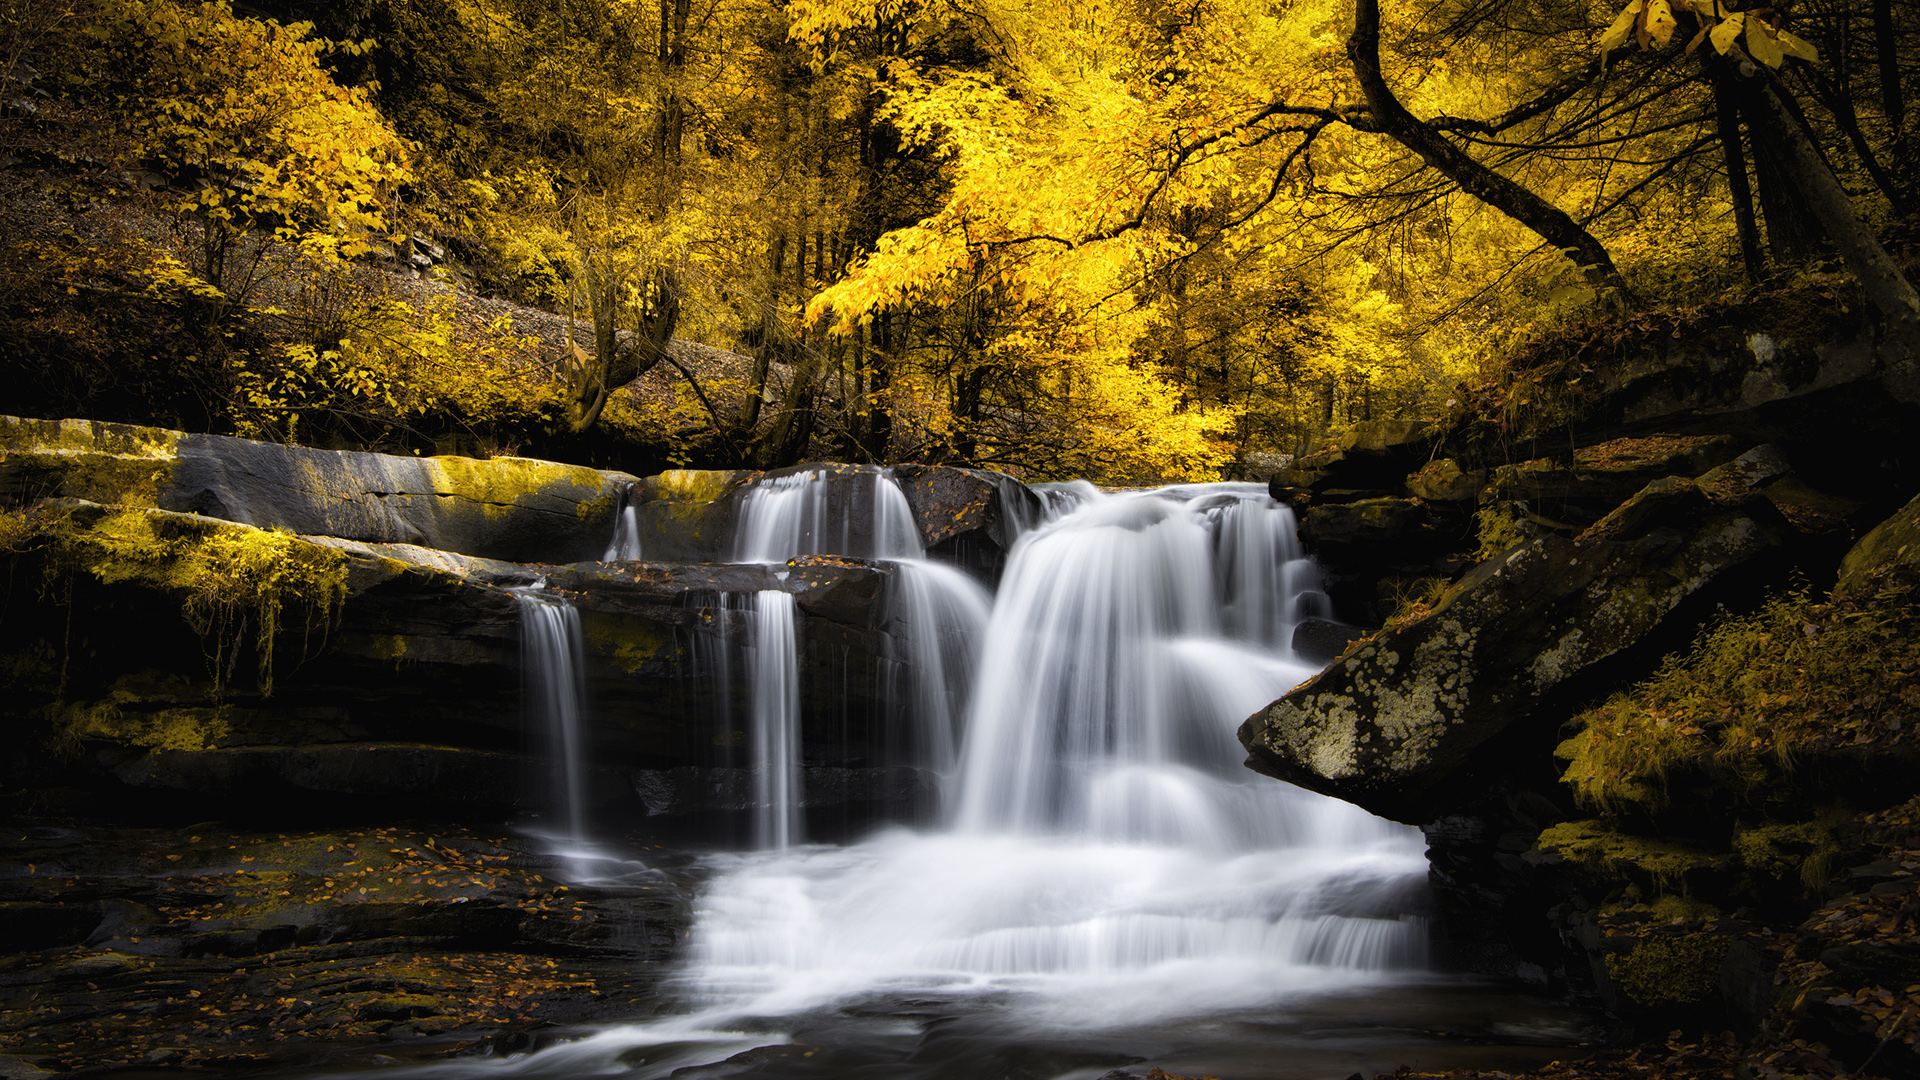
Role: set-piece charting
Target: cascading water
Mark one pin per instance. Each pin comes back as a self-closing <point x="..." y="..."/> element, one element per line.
<point x="774" y="736"/>
<point x="826" y="512"/>
<point x="554" y="689"/>
<point x="625" y="545"/>
<point x="1107" y="856"/>
<point x="1105" y="865"/>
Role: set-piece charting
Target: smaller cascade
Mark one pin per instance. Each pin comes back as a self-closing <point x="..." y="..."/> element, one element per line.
<point x="625" y="545"/>
<point x="940" y="615"/>
<point x="1261" y="574"/>
<point x="555" y="691"/>
<point x="860" y="513"/>
<point x="773" y="739"/>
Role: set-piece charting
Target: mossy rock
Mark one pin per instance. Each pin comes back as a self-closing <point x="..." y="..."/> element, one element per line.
<point x="1390" y="724"/>
<point x="1893" y="542"/>
<point x="1667" y="970"/>
<point x="505" y="508"/>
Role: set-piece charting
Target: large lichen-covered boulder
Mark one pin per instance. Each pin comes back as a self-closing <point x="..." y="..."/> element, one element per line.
<point x="503" y="508"/>
<point x="1392" y="724"/>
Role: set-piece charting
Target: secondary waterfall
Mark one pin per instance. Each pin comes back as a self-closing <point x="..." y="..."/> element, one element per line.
<point x="554" y="689"/>
<point x="625" y="545"/>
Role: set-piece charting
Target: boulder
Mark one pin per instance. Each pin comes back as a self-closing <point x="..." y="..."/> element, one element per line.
<point x="1893" y="542"/>
<point x="686" y="515"/>
<point x="1379" y="523"/>
<point x="1370" y="456"/>
<point x="969" y="517"/>
<point x="1318" y="641"/>
<point x="1599" y="477"/>
<point x="1394" y="724"/>
<point x="1444" y="481"/>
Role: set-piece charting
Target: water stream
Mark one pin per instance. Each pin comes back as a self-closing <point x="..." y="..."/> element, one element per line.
<point x="554" y="688"/>
<point x="1104" y="883"/>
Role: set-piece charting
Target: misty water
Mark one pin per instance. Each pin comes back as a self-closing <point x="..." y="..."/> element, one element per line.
<point x="1096" y="881"/>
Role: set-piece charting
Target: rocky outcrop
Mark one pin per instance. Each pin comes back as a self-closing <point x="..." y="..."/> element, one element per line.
<point x="969" y="517"/>
<point x="200" y="658"/>
<point x="1394" y="724"/>
<point x="501" y="508"/>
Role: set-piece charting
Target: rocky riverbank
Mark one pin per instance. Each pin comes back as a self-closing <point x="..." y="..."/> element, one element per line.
<point x="1643" y="672"/>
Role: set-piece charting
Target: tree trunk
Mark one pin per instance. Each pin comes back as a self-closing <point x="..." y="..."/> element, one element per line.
<point x="1886" y="287"/>
<point x="1727" y="119"/>
<point x="1505" y="195"/>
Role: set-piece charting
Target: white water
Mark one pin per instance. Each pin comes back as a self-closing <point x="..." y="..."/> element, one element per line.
<point x="826" y="512"/>
<point x="774" y="734"/>
<point x="554" y="688"/>
<point x="625" y="545"/>
<point x="1107" y="859"/>
<point x="1105" y="862"/>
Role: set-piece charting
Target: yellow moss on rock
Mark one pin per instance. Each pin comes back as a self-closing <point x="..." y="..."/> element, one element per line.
<point x="630" y="644"/>
<point x="167" y="729"/>
<point x="692" y="485"/>
<point x="229" y="579"/>
<point x="1670" y="969"/>
<point x="498" y="484"/>
<point x="1596" y="845"/>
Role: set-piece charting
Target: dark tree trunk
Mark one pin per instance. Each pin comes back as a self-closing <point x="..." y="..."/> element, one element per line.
<point x="1503" y="194"/>
<point x="1727" y="119"/>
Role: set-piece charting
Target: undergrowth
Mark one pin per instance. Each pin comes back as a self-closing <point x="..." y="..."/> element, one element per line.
<point x="1755" y="692"/>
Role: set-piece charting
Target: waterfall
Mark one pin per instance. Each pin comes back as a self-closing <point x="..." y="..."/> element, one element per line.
<point x="1103" y="867"/>
<point x="625" y="545"/>
<point x="1104" y="854"/>
<point x="774" y="735"/>
<point x="554" y="691"/>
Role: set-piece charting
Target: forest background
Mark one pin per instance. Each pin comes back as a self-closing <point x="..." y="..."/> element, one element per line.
<point x="1132" y="240"/>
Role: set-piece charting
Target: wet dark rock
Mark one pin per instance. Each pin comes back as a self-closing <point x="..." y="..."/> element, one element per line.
<point x="1371" y="456"/>
<point x="1320" y="640"/>
<point x="969" y="517"/>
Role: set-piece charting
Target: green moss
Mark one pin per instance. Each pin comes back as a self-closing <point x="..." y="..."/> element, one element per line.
<point x="1664" y="908"/>
<point x="167" y="729"/>
<point x="1670" y="970"/>
<point x="1600" y="847"/>
<point x="1802" y="851"/>
<point x="387" y="647"/>
<point x="1498" y="530"/>
<point x="1754" y="693"/>
<point x="498" y="484"/>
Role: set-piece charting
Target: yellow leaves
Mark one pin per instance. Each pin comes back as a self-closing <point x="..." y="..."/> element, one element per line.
<point x="1651" y="22"/>
<point x="1621" y="30"/>
<point x="1659" y="23"/>
<point x="1762" y="45"/>
<point x="1726" y="32"/>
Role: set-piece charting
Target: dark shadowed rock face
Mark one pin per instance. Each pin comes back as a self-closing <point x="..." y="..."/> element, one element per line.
<point x="969" y="517"/>
<point x="1389" y="725"/>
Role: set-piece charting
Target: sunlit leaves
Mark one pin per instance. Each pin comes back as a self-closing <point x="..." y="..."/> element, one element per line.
<point x="1653" y="22"/>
